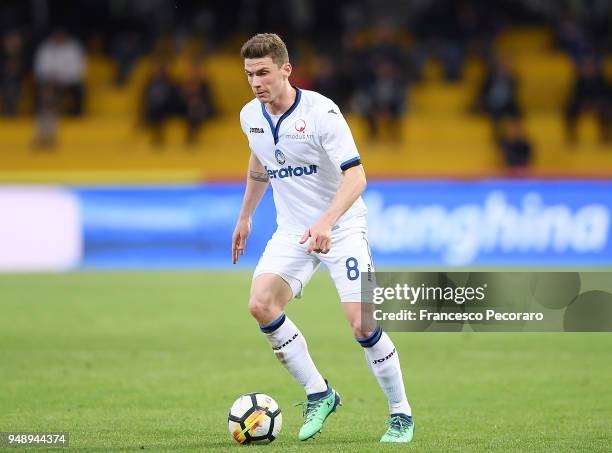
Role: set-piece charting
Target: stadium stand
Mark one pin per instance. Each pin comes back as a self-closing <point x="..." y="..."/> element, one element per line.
<point x="440" y="137"/>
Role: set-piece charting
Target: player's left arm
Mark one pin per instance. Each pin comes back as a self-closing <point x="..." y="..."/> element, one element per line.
<point x="337" y="142"/>
<point x="352" y="186"/>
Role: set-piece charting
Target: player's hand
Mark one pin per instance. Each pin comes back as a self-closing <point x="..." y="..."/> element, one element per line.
<point x="239" y="238"/>
<point x="320" y="238"/>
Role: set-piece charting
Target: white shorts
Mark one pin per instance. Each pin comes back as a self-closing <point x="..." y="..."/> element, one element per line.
<point x="348" y="261"/>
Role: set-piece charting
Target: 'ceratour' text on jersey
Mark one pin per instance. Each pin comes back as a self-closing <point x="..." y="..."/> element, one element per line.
<point x="289" y="171"/>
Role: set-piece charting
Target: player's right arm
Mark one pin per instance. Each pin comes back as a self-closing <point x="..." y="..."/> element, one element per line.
<point x="257" y="183"/>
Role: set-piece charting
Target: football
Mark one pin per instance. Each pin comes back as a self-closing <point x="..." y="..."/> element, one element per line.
<point x="254" y="418"/>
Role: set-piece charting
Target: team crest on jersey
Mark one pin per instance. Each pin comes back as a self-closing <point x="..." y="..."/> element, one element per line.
<point x="300" y="126"/>
<point x="280" y="157"/>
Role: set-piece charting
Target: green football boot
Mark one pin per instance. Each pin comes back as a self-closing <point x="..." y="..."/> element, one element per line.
<point x="316" y="410"/>
<point x="401" y="429"/>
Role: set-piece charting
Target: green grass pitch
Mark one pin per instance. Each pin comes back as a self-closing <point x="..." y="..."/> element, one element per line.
<point x="132" y="361"/>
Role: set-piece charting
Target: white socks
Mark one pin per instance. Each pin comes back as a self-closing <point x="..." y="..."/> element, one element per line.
<point x="383" y="361"/>
<point x="290" y="348"/>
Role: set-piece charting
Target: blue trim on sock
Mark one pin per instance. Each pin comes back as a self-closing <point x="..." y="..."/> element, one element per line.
<point x="371" y="340"/>
<point x="274" y="324"/>
<point x="318" y="396"/>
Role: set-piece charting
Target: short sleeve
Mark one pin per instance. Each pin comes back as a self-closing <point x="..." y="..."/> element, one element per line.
<point x="242" y="122"/>
<point x="244" y="127"/>
<point x="337" y="139"/>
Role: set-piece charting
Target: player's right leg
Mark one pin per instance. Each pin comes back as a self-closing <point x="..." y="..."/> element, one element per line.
<point x="269" y="295"/>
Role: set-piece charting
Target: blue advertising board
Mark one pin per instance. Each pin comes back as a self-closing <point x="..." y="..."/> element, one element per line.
<point x="414" y="223"/>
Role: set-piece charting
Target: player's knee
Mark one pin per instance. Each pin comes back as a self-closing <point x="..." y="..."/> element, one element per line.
<point x="360" y="333"/>
<point x="261" y="305"/>
<point x="358" y="330"/>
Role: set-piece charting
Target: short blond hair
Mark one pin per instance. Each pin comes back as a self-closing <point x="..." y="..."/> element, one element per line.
<point x="266" y="45"/>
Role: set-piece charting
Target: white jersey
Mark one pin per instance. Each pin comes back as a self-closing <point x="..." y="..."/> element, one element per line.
<point x="304" y="152"/>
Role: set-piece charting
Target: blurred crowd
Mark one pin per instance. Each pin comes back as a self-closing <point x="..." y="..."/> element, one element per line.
<point x="364" y="54"/>
<point x="164" y="97"/>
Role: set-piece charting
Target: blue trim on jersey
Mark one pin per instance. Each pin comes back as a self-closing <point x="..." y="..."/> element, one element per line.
<point x="350" y="163"/>
<point x="269" y="119"/>
<point x="298" y="96"/>
<point x="370" y="341"/>
<point x="274" y="324"/>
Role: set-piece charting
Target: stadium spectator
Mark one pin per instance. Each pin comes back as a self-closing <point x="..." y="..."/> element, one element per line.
<point x="12" y="72"/>
<point x="60" y="61"/>
<point x="159" y="102"/>
<point x="583" y="28"/>
<point x="300" y="74"/>
<point x="573" y="37"/>
<point x="46" y="116"/>
<point x="498" y="94"/>
<point x="387" y="47"/>
<point x="440" y="32"/>
<point x="384" y="101"/>
<point x="515" y="147"/>
<point x="327" y="81"/>
<point x="479" y="25"/>
<point x="590" y="93"/>
<point x="127" y="47"/>
<point x="357" y="75"/>
<point x="196" y="101"/>
<point x="380" y="81"/>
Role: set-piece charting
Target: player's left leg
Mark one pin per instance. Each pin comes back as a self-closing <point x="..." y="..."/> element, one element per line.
<point x="281" y="274"/>
<point x="383" y="360"/>
<point x="349" y="262"/>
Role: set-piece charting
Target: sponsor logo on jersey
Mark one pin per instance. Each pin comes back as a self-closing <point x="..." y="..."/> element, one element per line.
<point x="280" y="157"/>
<point x="300" y="126"/>
<point x="289" y="171"/>
<point x="299" y="136"/>
<point x="332" y="111"/>
<point x="256" y="130"/>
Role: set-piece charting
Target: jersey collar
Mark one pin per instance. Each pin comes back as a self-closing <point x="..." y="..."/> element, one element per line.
<point x="298" y="95"/>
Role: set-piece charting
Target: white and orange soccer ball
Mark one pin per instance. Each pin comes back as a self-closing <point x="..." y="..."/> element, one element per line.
<point x="254" y="418"/>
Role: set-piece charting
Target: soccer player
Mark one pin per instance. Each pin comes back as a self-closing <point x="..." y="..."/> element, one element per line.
<point x="301" y="144"/>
